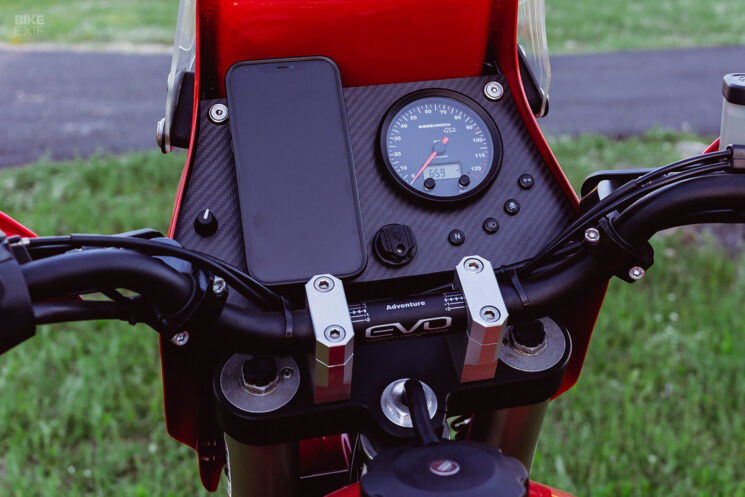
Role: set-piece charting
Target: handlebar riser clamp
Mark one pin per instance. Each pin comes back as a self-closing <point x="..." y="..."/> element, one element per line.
<point x="476" y="353"/>
<point x="331" y="366"/>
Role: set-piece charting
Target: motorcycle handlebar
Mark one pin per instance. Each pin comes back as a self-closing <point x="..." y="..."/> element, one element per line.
<point x="168" y="290"/>
<point x="78" y="272"/>
<point x="679" y="204"/>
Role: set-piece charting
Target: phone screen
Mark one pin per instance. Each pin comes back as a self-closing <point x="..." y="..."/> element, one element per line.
<point x="296" y="183"/>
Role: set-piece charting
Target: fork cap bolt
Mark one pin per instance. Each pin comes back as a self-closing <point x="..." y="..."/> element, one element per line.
<point x="259" y="371"/>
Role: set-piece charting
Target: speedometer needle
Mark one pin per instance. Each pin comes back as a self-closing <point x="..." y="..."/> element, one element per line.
<point x="429" y="159"/>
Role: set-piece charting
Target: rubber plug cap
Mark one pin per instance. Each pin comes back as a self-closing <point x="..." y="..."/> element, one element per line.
<point x="395" y="244"/>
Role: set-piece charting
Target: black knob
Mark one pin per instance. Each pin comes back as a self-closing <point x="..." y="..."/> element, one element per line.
<point x="395" y="244"/>
<point x="512" y="207"/>
<point x="429" y="183"/>
<point x="491" y="225"/>
<point x="464" y="181"/>
<point x="205" y="224"/>
<point x="529" y="334"/>
<point x="526" y="181"/>
<point x="456" y="237"/>
<point x="259" y="371"/>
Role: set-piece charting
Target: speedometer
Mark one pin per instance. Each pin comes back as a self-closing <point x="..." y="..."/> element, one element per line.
<point x="440" y="145"/>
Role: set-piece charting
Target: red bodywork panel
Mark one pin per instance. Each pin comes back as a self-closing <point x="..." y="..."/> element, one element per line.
<point x="325" y="454"/>
<point x="11" y="227"/>
<point x="373" y="42"/>
<point x="538" y="490"/>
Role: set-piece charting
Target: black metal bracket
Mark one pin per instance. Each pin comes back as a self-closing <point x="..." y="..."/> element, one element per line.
<point x="205" y="303"/>
<point x="614" y="251"/>
<point x="738" y="158"/>
<point x="533" y="91"/>
<point x="184" y="113"/>
<point x="16" y="309"/>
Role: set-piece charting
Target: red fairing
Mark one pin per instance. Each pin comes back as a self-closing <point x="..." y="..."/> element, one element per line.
<point x="372" y="42"/>
<point x="11" y="227"/>
<point x="713" y="147"/>
<point x="538" y="490"/>
<point x="352" y="490"/>
<point x="389" y="41"/>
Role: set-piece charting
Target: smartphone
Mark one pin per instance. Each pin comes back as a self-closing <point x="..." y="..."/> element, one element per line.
<point x="297" y="188"/>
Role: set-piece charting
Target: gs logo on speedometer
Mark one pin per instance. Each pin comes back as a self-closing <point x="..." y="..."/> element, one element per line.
<point x="440" y="145"/>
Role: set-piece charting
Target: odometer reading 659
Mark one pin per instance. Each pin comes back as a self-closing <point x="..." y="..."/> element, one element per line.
<point x="440" y="145"/>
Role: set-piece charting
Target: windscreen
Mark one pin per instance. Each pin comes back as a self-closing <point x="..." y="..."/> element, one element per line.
<point x="531" y="36"/>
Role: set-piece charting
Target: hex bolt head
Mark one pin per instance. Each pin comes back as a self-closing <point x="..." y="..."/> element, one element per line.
<point x="218" y="113"/>
<point x="636" y="273"/>
<point x="473" y="265"/>
<point x="323" y="284"/>
<point x="592" y="236"/>
<point x="334" y="333"/>
<point x="493" y="91"/>
<point x="180" y="339"/>
<point x="219" y="286"/>
<point x="489" y="314"/>
<point x="286" y="373"/>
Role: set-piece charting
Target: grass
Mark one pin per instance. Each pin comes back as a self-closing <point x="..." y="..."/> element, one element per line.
<point x="89" y="21"/>
<point x="581" y="156"/>
<point x="585" y="26"/>
<point x="81" y="410"/>
<point x="659" y="409"/>
<point x="573" y="26"/>
<point x="660" y="406"/>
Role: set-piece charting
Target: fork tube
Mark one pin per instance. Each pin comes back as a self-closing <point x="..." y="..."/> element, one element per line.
<point x="262" y="471"/>
<point x="514" y="430"/>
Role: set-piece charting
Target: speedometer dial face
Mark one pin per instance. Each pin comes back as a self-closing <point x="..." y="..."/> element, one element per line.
<point x="440" y="145"/>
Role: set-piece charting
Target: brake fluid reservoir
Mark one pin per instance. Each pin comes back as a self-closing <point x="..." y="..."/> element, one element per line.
<point x="733" y="111"/>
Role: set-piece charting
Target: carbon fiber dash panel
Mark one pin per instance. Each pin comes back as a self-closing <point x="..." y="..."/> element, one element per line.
<point x="545" y="210"/>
